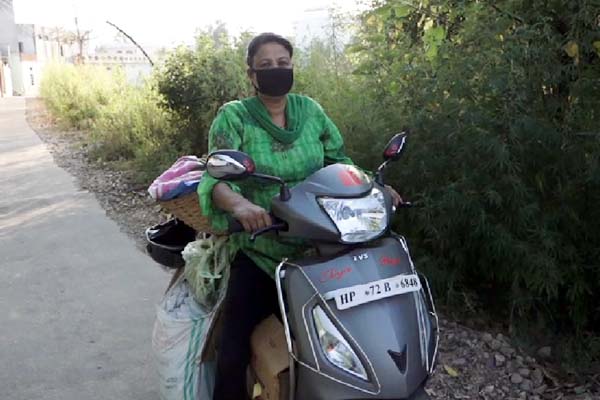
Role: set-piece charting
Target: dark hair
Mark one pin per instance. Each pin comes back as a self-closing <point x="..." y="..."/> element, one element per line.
<point x="265" y="38"/>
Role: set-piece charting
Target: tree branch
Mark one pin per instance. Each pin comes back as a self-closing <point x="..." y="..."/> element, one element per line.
<point x="509" y="14"/>
<point x="132" y="41"/>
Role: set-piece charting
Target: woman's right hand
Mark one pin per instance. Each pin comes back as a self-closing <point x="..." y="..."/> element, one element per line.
<point x="251" y="216"/>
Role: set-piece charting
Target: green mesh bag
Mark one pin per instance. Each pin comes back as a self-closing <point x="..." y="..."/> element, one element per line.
<point x="207" y="267"/>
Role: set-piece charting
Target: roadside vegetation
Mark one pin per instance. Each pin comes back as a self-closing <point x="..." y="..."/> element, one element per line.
<point x="503" y="101"/>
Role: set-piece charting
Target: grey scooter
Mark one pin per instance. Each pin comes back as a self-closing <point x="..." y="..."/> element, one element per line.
<point x="359" y="320"/>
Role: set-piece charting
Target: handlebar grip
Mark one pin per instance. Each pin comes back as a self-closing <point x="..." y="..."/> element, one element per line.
<point x="234" y="225"/>
<point x="406" y="204"/>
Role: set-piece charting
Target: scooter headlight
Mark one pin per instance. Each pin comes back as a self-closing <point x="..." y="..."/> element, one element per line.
<point x="360" y="219"/>
<point x="336" y="348"/>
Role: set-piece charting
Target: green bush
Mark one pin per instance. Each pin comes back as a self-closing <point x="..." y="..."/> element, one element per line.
<point x="195" y="83"/>
<point x="76" y="94"/>
<point x="126" y="123"/>
<point x="138" y="128"/>
<point x="504" y="103"/>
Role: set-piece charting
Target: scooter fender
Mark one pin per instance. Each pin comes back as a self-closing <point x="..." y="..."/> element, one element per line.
<point x="394" y="337"/>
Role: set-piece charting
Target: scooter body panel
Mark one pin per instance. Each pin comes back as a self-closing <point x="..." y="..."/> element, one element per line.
<point x="398" y="325"/>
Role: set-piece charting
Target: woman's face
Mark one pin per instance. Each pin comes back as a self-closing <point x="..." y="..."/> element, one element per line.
<point x="269" y="55"/>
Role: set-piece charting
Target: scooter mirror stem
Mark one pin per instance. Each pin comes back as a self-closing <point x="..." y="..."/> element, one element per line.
<point x="284" y="191"/>
<point x="379" y="173"/>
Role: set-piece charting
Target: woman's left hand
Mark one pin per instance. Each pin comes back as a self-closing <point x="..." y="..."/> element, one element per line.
<point x="395" y="196"/>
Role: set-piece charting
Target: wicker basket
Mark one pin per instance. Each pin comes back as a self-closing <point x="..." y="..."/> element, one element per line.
<point x="187" y="209"/>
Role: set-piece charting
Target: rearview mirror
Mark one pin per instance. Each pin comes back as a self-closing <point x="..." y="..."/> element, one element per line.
<point x="395" y="146"/>
<point x="229" y="165"/>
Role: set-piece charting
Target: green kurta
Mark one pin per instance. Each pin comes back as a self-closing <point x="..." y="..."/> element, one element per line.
<point x="311" y="142"/>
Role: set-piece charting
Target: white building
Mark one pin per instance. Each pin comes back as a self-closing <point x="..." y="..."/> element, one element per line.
<point x="127" y="56"/>
<point x="25" y="49"/>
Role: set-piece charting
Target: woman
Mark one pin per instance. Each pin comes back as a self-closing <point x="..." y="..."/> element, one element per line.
<point x="289" y="136"/>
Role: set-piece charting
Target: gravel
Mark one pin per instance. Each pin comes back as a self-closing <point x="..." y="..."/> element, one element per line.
<point x="471" y="364"/>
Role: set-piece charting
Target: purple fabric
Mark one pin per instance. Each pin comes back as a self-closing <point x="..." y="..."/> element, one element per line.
<point x="181" y="178"/>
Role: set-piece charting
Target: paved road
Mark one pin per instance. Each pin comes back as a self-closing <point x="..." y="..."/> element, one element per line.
<point x="76" y="297"/>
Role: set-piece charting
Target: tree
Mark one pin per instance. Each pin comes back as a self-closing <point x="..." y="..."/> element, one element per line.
<point x="505" y="156"/>
<point x="195" y="83"/>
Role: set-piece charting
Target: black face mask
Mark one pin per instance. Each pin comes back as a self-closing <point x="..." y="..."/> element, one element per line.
<point x="274" y="81"/>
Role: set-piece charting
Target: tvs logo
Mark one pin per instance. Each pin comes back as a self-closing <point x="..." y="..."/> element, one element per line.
<point x="349" y="177"/>
<point x="389" y="261"/>
<point x="335" y="274"/>
<point x="360" y="257"/>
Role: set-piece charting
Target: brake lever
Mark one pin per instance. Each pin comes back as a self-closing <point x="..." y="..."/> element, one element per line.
<point x="274" y="227"/>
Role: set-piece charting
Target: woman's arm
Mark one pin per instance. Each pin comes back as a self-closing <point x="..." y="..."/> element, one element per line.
<point x="251" y="216"/>
<point x="218" y="198"/>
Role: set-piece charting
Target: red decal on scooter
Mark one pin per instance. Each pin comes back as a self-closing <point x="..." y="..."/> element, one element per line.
<point x="335" y="274"/>
<point x="389" y="261"/>
<point x="350" y="178"/>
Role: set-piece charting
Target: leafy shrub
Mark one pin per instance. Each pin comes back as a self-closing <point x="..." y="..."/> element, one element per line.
<point x="503" y="100"/>
<point x="195" y="83"/>
<point x="75" y="94"/>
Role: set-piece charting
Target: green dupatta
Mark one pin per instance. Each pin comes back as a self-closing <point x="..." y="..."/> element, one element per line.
<point x="293" y="113"/>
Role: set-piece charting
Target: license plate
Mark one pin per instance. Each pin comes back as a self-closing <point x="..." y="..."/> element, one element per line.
<point x="360" y="294"/>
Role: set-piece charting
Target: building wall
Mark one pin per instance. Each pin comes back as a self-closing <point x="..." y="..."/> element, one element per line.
<point x="124" y="56"/>
<point x="49" y="49"/>
<point x="8" y="43"/>
<point x="6" y="88"/>
<point x="24" y="50"/>
<point x="25" y="39"/>
<point x="8" y="34"/>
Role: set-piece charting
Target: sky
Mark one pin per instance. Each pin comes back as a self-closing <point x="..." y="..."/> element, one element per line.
<point x="171" y="22"/>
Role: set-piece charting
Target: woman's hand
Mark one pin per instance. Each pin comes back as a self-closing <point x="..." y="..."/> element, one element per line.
<point x="251" y="216"/>
<point x="397" y="199"/>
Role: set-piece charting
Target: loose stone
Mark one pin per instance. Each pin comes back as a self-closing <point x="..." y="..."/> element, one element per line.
<point x="525" y="372"/>
<point x="495" y="344"/>
<point x="537" y="376"/>
<point x="516" y="378"/>
<point x="499" y="360"/>
<point x="545" y="352"/>
<point x="526" y="385"/>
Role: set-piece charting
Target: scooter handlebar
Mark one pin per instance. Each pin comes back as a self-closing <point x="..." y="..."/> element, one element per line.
<point x="407" y="204"/>
<point x="235" y="226"/>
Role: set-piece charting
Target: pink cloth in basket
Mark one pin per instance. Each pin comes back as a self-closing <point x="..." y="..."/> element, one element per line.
<point x="181" y="178"/>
